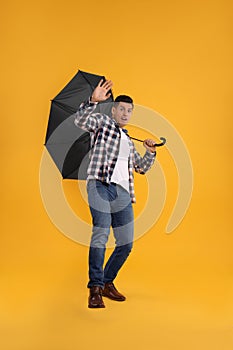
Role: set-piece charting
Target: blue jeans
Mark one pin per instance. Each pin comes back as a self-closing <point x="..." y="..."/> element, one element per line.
<point x="110" y="205"/>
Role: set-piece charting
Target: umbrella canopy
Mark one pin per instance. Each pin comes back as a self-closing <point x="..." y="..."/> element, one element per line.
<point x="67" y="144"/>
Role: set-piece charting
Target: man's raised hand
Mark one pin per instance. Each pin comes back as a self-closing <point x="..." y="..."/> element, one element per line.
<point x="101" y="91"/>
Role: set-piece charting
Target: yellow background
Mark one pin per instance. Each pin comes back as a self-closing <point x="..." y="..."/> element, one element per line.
<point x="176" y="58"/>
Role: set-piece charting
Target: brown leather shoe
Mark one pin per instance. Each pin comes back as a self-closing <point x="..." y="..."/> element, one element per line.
<point x="95" y="298"/>
<point x="111" y="292"/>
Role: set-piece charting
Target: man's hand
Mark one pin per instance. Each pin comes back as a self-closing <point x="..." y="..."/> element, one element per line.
<point x="149" y="145"/>
<point x="101" y="91"/>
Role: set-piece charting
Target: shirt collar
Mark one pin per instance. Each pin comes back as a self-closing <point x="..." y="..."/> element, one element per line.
<point x="125" y="130"/>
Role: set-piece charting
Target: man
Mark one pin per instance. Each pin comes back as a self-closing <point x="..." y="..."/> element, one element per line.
<point x="110" y="188"/>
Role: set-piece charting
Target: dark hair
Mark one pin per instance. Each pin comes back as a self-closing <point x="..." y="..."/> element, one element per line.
<point x="123" y="98"/>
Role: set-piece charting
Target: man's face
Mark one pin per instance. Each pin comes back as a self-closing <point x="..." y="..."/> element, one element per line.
<point x="122" y="113"/>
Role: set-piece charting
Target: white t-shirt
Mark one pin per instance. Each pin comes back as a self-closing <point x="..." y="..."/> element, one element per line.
<point x="121" y="171"/>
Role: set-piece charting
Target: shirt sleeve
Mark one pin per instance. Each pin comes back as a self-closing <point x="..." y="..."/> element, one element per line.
<point x="143" y="164"/>
<point x="86" y="119"/>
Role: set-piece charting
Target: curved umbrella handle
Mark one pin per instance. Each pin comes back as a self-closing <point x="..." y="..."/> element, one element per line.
<point x="155" y="144"/>
<point x="162" y="143"/>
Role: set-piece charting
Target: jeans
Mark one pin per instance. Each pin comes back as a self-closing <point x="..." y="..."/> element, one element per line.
<point x="110" y="205"/>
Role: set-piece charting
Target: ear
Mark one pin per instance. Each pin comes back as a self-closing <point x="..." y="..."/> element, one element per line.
<point x="113" y="110"/>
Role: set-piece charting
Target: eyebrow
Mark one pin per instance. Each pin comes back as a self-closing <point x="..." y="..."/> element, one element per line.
<point x="129" y="108"/>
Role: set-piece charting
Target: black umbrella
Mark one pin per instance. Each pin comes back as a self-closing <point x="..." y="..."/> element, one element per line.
<point x="66" y="143"/>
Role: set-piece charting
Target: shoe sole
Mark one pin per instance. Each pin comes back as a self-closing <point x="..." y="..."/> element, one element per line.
<point x="96" y="307"/>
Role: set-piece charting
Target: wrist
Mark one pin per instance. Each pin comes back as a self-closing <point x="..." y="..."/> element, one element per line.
<point x="93" y="100"/>
<point x="151" y="152"/>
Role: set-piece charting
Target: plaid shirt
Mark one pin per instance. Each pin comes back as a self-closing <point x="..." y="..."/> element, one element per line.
<point x="105" y="144"/>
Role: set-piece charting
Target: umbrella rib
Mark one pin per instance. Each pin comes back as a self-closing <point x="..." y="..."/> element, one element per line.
<point x="65" y="107"/>
<point x="93" y="87"/>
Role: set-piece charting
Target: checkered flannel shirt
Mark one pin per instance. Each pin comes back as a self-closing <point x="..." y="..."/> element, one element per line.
<point x="105" y="144"/>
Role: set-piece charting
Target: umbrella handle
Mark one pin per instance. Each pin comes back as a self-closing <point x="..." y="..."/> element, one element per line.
<point x="162" y="143"/>
<point x="155" y="144"/>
